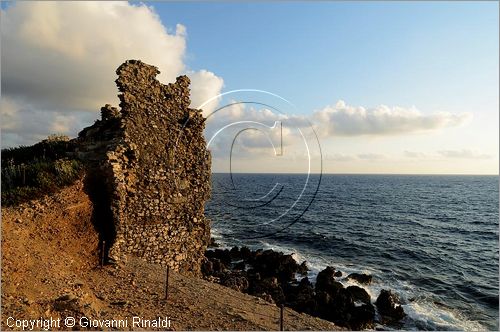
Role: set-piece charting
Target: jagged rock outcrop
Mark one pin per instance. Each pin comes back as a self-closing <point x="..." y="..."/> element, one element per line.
<point x="149" y="170"/>
<point x="389" y="306"/>
<point x="273" y="277"/>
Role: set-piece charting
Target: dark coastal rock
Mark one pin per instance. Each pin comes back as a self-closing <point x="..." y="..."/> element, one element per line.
<point x="207" y="267"/>
<point x="235" y="253"/>
<point x="335" y="307"/>
<point x="362" y="317"/>
<point x="266" y="287"/>
<point x="333" y="301"/>
<point x="218" y="266"/>
<point x="361" y="278"/>
<point x="245" y="253"/>
<point x="266" y="297"/>
<point x="213" y="243"/>
<point x="222" y="254"/>
<point x="213" y="267"/>
<point x="271" y="275"/>
<point x="301" y="296"/>
<point x="270" y="263"/>
<point x="303" y="269"/>
<point x="325" y="281"/>
<point x="359" y="294"/>
<point x="389" y="307"/>
<point x="240" y="266"/>
<point x="236" y="281"/>
<point x="338" y="304"/>
<point x="253" y="275"/>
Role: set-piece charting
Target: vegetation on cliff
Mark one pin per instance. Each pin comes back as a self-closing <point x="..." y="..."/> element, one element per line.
<point x="28" y="172"/>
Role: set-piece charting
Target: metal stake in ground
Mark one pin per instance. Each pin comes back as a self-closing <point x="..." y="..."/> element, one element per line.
<point x="166" y="283"/>
<point x="103" y="252"/>
<point x="282" y="309"/>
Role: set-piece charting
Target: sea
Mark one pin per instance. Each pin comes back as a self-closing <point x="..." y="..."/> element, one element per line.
<point x="432" y="239"/>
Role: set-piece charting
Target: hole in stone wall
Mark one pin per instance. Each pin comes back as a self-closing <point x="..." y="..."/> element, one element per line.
<point x="102" y="217"/>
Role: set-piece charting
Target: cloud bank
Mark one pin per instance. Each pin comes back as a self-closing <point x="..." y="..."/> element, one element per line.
<point x="463" y="154"/>
<point x="205" y="86"/>
<point x="340" y="120"/>
<point x="354" y="157"/>
<point x="345" y="120"/>
<point x="59" y="61"/>
<point x="449" y="154"/>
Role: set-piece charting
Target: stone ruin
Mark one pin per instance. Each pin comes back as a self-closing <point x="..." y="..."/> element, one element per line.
<point x="149" y="171"/>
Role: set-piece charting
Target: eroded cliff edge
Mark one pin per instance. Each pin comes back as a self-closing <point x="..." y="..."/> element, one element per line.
<point x="149" y="171"/>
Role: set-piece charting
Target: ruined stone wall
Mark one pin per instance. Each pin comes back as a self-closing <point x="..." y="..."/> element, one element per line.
<point x="152" y="160"/>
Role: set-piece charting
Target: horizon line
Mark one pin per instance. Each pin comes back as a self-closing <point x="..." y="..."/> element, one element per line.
<point x="330" y="173"/>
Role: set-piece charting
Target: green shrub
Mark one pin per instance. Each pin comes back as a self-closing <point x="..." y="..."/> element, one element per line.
<point x="19" y="195"/>
<point x="29" y="172"/>
<point x="52" y="148"/>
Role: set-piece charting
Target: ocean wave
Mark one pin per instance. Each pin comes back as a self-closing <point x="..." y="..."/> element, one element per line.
<point x="421" y="308"/>
<point x="423" y="237"/>
<point x="430" y="316"/>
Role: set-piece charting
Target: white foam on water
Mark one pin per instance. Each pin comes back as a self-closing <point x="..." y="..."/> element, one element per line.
<point x="219" y="239"/>
<point x="275" y="247"/>
<point x="421" y="314"/>
<point x="431" y="316"/>
<point x="215" y="234"/>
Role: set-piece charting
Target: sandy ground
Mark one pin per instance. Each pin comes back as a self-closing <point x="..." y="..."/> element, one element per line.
<point x="50" y="269"/>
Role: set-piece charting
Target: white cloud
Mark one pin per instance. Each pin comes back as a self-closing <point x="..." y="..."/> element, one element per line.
<point x="414" y="154"/>
<point x="344" y="120"/>
<point x="205" y="88"/>
<point x="59" y="58"/>
<point x="8" y="109"/>
<point x="62" y="124"/>
<point x="464" y="154"/>
<point x="371" y="156"/>
<point x="341" y="157"/>
<point x="27" y="125"/>
<point x="252" y="129"/>
<point x="448" y="154"/>
<point x="333" y="121"/>
<point x="338" y="157"/>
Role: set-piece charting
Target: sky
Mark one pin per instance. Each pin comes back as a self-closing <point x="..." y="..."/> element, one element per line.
<point x="362" y="87"/>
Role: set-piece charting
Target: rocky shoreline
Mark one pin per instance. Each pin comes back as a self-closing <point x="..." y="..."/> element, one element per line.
<point x="278" y="278"/>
